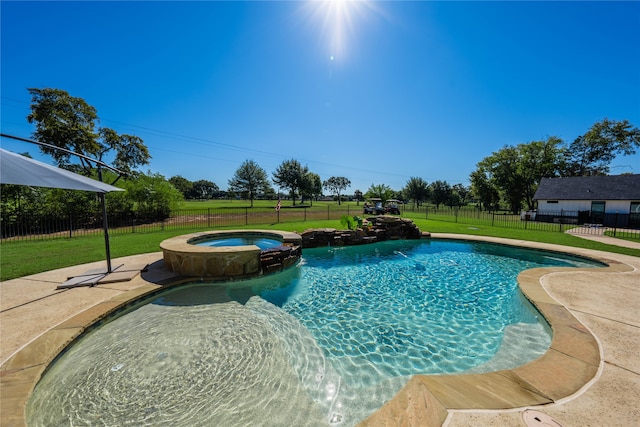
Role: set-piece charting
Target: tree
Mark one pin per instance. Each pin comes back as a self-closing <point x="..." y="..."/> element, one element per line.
<point x="440" y="192"/>
<point x="593" y="152"/>
<point x="68" y="122"/>
<point x="504" y="168"/>
<point x="484" y="189"/>
<point x="183" y="185"/>
<point x="379" y="191"/>
<point x="152" y="196"/>
<point x="459" y="195"/>
<point x="290" y="175"/>
<point x="269" y="193"/>
<point x="203" y="189"/>
<point x="336" y="184"/>
<point x="19" y="200"/>
<point x="311" y="186"/>
<point x="417" y="190"/>
<point x="249" y="179"/>
<point x="515" y="171"/>
<point x="539" y="159"/>
<point x="358" y="196"/>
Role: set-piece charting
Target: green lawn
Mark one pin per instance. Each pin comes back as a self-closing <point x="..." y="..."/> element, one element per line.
<point x="23" y="258"/>
<point x="216" y="204"/>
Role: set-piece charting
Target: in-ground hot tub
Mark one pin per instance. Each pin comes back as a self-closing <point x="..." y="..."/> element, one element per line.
<point x="228" y="254"/>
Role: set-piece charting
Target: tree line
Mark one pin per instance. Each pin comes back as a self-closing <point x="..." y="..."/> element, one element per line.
<point x="506" y="178"/>
<point x="511" y="175"/>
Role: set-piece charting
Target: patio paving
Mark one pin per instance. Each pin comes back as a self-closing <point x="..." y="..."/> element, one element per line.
<point x="602" y="387"/>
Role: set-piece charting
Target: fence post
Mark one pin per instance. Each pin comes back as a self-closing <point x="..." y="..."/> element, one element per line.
<point x="305" y="214"/>
<point x="246" y="216"/>
<point x="426" y="212"/>
<point x="561" y="218"/>
<point x="328" y="213"/>
<point x="70" y="225"/>
<point x="493" y="218"/>
<point x="208" y="217"/>
<point x="615" y="225"/>
<point x="455" y="213"/>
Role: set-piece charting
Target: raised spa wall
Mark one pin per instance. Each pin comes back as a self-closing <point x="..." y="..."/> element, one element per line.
<point x="182" y="255"/>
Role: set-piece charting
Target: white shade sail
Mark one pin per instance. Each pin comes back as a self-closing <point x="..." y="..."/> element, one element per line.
<point x="21" y="170"/>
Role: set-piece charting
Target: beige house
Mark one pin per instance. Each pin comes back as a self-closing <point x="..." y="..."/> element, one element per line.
<point x="612" y="200"/>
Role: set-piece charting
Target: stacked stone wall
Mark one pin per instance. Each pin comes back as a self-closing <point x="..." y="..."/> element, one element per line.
<point x="374" y="229"/>
<point x="182" y="257"/>
<point x="277" y="259"/>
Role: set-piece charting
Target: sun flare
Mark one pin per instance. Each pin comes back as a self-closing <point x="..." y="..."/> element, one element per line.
<point x="338" y="20"/>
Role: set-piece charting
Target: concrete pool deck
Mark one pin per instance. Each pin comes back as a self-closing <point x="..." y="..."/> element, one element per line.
<point x="590" y="375"/>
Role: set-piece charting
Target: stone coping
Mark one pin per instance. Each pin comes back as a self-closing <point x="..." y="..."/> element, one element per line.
<point x="573" y="359"/>
<point x="186" y="243"/>
<point x="183" y="255"/>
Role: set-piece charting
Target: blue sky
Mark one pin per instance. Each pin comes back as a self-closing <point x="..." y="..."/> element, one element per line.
<point x="377" y="92"/>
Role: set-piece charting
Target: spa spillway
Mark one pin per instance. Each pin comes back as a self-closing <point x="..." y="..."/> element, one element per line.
<point x="231" y="254"/>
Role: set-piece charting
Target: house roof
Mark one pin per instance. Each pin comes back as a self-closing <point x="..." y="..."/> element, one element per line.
<point x="611" y="187"/>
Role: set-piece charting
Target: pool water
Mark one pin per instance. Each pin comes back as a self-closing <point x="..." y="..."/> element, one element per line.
<point x="261" y="242"/>
<point x="325" y="343"/>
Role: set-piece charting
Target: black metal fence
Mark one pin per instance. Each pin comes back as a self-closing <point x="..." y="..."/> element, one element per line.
<point x="48" y="227"/>
<point x="41" y="228"/>
<point x="613" y="224"/>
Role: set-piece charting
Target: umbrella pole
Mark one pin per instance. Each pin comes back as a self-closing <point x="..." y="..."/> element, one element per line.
<point x="105" y="225"/>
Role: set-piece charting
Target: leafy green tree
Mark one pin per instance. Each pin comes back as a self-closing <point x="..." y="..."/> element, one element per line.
<point x="183" y="185"/>
<point x="68" y="122"/>
<point x="290" y="175"/>
<point x="515" y="172"/>
<point x="539" y="159"/>
<point x="151" y="195"/>
<point x="336" y="185"/>
<point x="249" y="179"/>
<point x="593" y="152"/>
<point x="459" y="195"/>
<point x="203" y="189"/>
<point x="269" y="192"/>
<point x="398" y="195"/>
<point x="84" y="206"/>
<point x="484" y="189"/>
<point x="379" y="191"/>
<point x="505" y="169"/>
<point x="416" y="190"/>
<point x="312" y="186"/>
<point x="19" y="201"/>
<point x="440" y="192"/>
<point x="358" y="196"/>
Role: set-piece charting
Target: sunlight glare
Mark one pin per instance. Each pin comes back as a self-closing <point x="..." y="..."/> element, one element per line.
<point x="337" y="18"/>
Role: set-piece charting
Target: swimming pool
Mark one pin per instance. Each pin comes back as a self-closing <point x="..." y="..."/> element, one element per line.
<point x="260" y="241"/>
<point x="325" y="343"/>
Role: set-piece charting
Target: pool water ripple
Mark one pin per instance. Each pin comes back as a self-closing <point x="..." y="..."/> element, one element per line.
<point x="326" y="343"/>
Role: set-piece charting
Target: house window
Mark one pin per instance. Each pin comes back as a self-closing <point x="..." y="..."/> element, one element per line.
<point x="552" y="201"/>
<point x="597" y="212"/>
<point x="634" y="215"/>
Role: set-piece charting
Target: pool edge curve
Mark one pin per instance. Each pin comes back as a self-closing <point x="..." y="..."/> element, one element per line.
<point x="425" y="399"/>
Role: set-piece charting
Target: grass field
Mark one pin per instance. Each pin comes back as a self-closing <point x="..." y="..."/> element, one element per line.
<point x="18" y="259"/>
<point x="215" y="204"/>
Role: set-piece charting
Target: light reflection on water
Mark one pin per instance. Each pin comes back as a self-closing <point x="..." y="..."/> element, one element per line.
<point x="325" y="343"/>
